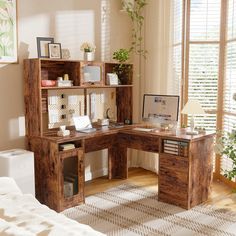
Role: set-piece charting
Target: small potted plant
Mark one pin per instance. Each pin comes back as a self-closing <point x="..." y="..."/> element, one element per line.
<point x="122" y="69"/>
<point x="88" y="49"/>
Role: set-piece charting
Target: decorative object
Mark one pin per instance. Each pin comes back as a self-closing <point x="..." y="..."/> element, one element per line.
<point x="88" y="56"/>
<point x="8" y="31"/>
<point x="42" y="46"/>
<point x="91" y="73"/>
<point x="133" y="210"/>
<point x="88" y="49"/>
<point x="226" y="145"/>
<point x="63" y="131"/>
<point x="64" y="83"/>
<point x="112" y="79"/>
<point x="54" y="50"/>
<point x="192" y="107"/>
<point x="66" y="77"/>
<point x="48" y="83"/>
<point x="65" y="53"/>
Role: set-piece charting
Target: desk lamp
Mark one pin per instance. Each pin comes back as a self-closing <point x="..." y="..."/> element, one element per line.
<point x="192" y="107"/>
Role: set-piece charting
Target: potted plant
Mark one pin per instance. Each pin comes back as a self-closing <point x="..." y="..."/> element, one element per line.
<point x="88" y="49"/>
<point x="226" y="145"/>
<point x="122" y="69"/>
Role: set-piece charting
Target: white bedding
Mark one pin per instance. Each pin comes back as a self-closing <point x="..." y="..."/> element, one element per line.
<point x="22" y="215"/>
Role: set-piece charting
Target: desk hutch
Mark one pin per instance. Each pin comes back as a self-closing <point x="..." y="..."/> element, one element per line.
<point x="185" y="162"/>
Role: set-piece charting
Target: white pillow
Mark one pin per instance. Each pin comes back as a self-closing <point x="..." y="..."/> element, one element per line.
<point x="8" y="185"/>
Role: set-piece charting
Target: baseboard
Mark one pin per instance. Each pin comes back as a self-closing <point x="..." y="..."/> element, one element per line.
<point x="95" y="174"/>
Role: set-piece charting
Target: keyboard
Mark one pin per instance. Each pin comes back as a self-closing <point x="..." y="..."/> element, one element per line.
<point x="143" y="129"/>
<point x="90" y="130"/>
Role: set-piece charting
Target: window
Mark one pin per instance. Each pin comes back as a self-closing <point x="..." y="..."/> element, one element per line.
<point x="209" y="62"/>
<point x="177" y="23"/>
<point x="229" y="105"/>
<point x="203" y="43"/>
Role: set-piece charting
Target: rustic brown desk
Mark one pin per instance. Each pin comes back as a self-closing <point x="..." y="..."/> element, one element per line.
<point x="185" y="163"/>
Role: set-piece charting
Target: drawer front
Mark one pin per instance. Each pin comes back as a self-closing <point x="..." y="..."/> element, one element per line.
<point x="174" y="163"/>
<point x="173" y="180"/>
<point x="140" y="142"/>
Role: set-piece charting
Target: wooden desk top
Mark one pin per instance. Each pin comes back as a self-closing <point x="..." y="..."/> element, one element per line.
<point x="179" y="135"/>
<point x="128" y="130"/>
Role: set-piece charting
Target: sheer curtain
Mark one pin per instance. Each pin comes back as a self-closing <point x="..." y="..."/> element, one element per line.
<point x="156" y="72"/>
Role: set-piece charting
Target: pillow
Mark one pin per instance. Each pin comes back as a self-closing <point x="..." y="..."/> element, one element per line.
<point x="8" y="185"/>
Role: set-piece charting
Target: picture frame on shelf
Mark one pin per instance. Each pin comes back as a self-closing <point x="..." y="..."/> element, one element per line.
<point x="54" y="50"/>
<point x="8" y="35"/>
<point x="112" y="79"/>
<point x="42" y="46"/>
<point x="91" y="73"/>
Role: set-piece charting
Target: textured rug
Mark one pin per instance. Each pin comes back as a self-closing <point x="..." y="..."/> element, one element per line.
<point x="132" y="210"/>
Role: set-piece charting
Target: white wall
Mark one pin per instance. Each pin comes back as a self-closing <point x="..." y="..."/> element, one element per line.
<point x="70" y="22"/>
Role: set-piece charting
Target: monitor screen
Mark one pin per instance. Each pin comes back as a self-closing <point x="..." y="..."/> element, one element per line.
<point x="161" y="108"/>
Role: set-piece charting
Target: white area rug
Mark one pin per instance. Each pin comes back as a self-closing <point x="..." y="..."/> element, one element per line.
<point x="131" y="210"/>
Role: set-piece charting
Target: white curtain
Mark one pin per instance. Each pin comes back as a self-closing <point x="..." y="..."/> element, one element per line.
<point x="156" y="69"/>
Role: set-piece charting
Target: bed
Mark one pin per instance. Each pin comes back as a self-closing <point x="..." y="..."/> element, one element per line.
<point x="23" y="215"/>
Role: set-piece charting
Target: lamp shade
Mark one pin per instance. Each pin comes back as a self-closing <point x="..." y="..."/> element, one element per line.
<point x="192" y="107"/>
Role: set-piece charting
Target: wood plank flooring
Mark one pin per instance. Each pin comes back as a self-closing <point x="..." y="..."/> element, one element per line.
<point x="221" y="195"/>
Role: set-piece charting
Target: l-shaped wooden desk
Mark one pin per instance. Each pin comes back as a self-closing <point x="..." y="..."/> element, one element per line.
<point x="185" y="163"/>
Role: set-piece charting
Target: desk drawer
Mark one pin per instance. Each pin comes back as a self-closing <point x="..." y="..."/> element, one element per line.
<point x="174" y="163"/>
<point x="141" y="142"/>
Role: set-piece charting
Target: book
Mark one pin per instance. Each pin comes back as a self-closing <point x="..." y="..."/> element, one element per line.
<point x="67" y="146"/>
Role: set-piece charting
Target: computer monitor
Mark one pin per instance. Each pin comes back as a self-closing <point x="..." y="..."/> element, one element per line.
<point x="160" y="108"/>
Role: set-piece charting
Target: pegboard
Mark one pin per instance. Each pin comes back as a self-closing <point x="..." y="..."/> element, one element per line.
<point x="63" y="104"/>
<point x="103" y="99"/>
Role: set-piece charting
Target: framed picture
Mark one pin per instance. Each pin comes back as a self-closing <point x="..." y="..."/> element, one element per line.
<point x="42" y="46"/>
<point x="8" y="33"/>
<point x="54" y="50"/>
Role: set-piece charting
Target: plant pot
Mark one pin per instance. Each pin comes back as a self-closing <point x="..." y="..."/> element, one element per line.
<point x="89" y="56"/>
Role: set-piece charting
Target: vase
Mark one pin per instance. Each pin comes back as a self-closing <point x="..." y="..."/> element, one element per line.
<point x="89" y="56"/>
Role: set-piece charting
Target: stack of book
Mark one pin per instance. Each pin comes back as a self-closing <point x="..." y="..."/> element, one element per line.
<point x="67" y="146"/>
<point x="72" y="180"/>
<point x="175" y="147"/>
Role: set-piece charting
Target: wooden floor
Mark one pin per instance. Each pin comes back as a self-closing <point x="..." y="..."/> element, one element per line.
<point x="221" y="195"/>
